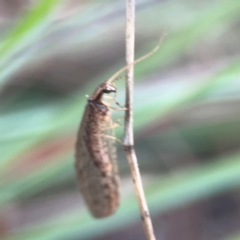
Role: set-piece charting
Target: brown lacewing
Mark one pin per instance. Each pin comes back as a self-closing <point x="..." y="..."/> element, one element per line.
<point x="96" y="165"/>
<point x="95" y="158"/>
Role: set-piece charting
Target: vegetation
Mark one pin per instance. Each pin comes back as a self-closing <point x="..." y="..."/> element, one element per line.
<point x="186" y="113"/>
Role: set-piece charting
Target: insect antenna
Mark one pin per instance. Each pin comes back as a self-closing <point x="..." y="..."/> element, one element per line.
<point x="113" y="77"/>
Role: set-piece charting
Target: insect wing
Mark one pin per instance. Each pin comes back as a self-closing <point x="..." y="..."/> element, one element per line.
<point x="96" y="166"/>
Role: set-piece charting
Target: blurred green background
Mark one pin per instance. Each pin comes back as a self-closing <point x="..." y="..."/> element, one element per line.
<point x="187" y="116"/>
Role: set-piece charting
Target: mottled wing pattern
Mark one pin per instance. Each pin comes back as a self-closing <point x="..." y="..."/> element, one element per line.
<point x="96" y="167"/>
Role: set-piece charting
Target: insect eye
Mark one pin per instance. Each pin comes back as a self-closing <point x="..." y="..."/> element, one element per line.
<point x="109" y="89"/>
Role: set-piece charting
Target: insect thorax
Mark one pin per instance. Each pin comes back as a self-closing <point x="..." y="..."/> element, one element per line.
<point x="101" y="111"/>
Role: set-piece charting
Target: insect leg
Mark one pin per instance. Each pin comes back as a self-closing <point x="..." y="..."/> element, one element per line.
<point x="113" y="124"/>
<point x="110" y="137"/>
<point x="113" y="99"/>
<point x="117" y="109"/>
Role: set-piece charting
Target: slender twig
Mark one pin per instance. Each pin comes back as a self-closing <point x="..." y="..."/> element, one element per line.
<point x="128" y="129"/>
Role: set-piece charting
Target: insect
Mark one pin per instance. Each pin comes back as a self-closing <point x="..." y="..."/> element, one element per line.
<point x="96" y="165"/>
<point x="95" y="157"/>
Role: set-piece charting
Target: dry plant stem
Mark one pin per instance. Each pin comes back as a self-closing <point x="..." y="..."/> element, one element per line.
<point x="128" y="131"/>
